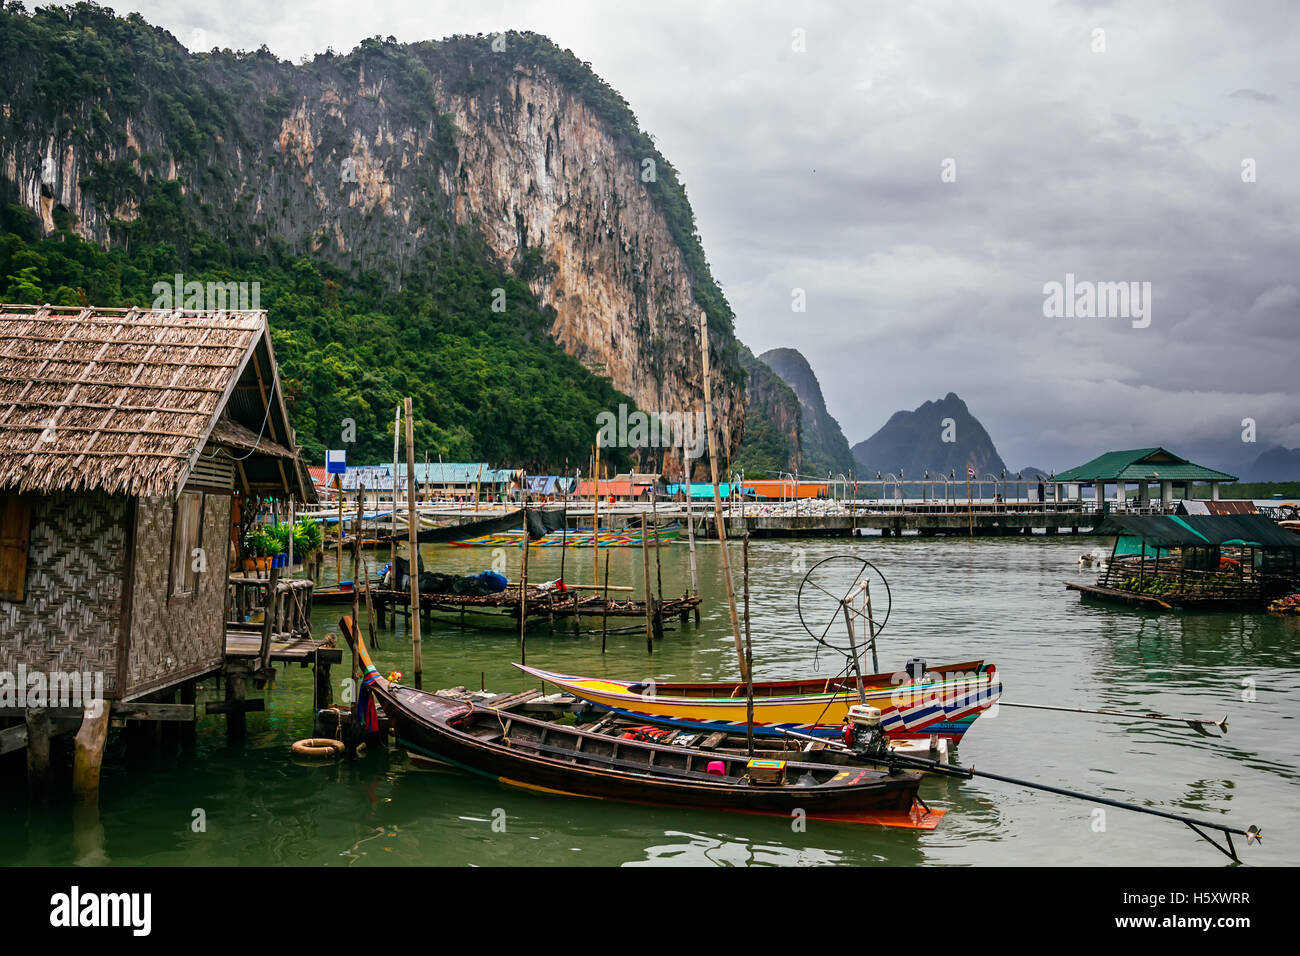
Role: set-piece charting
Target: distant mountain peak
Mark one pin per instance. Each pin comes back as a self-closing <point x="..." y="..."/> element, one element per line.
<point x="940" y="437"/>
<point x="823" y="447"/>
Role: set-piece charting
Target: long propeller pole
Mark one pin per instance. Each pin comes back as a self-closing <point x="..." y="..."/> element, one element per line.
<point x="1198" y="826"/>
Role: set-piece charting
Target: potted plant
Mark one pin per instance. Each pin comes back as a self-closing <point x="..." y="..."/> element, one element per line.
<point x="260" y="544"/>
<point x="308" y="539"/>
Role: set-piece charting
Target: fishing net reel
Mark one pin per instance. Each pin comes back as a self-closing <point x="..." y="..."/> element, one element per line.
<point x="844" y="603"/>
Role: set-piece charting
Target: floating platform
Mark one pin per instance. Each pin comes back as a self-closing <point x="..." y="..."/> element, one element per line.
<point x="1167" y="602"/>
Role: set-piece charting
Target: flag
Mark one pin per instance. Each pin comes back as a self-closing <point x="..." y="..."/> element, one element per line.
<point x="970" y="472"/>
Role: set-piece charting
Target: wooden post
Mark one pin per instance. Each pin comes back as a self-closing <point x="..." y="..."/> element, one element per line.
<point x="595" y="510"/>
<point x="338" y="490"/>
<point x="604" y="617"/>
<point x="649" y="597"/>
<point x="268" y="621"/>
<point x="38" y="751"/>
<point x="189" y="729"/>
<point x="477" y="482"/>
<point x="749" y="659"/>
<point x="356" y="574"/>
<point x="659" y="574"/>
<point x="717" y="502"/>
<point x="690" y="526"/>
<point x="413" y="545"/>
<point x="564" y="537"/>
<point x="89" y="756"/>
<point x="523" y="584"/>
<point x="291" y="516"/>
<point x="324" y="695"/>
<point x="236" y="689"/>
<point x="392" y="557"/>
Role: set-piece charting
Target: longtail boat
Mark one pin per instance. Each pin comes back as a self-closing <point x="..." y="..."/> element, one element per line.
<point x="945" y="703"/>
<point x="539" y="755"/>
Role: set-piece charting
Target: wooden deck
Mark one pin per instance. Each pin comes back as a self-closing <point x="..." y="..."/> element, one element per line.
<point x="541" y="605"/>
<point x="300" y="650"/>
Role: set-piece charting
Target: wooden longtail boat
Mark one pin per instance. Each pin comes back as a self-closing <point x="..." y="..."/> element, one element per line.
<point x="946" y="703"/>
<point x="538" y="755"/>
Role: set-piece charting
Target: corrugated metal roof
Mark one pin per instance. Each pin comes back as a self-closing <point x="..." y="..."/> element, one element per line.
<point x="1142" y="464"/>
<point x="380" y="477"/>
<point x="620" y="489"/>
<point x="550" y="485"/>
<point x="702" y="489"/>
<point x="1201" y="531"/>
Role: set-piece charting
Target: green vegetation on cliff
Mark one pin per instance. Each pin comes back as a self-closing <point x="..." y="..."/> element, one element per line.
<point x="485" y="385"/>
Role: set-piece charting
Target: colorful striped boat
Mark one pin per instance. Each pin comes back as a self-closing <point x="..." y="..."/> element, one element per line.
<point x="945" y="703"/>
<point x="576" y="538"/>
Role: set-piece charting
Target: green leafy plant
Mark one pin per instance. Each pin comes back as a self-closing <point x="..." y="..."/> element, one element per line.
<point x="262" y="542"/>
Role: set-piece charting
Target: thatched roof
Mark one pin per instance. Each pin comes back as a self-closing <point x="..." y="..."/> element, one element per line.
<point x="126" y="400"/>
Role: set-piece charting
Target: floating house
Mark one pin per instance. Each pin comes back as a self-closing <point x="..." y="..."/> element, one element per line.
<point x="1196" y="561"/>
<point x="626" y="487"/>
<point x="435" y="479"/>
<point x="1145" y="468"/>
<point x="125" y="435"/>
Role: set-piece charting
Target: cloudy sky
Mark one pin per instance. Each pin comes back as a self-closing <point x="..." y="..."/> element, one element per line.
<point x="1111" y="142"/>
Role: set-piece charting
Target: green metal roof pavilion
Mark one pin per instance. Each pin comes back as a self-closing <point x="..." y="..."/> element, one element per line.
<point x="1141" y="464"/>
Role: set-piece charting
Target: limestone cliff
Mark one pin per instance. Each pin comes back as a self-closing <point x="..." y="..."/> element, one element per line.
<point x="505" y="143"/>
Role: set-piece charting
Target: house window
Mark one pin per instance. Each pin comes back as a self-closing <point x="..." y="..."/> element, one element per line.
<point x="15" y="526"/>
<point x="187" y="535"/>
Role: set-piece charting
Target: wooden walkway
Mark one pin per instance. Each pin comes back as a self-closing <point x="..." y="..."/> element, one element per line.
<point x="544" y="605"/>
<point x="298" y="650"/>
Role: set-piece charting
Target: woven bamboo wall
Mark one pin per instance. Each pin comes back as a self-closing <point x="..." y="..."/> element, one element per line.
<point x="170" y="642"/>
<point x="71" y="618"/>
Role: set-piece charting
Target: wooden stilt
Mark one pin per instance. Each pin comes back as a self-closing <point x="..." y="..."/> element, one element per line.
<point x="649" y="597"/>
<point x="89" y="755"/>
<point x="523" y="582"/>
<point x="38" y="752"/>
<point x="717" y="502"/>
<point x="413" y="545"/>
<point x="236" y="690"/>
<point x="604" y="617"/>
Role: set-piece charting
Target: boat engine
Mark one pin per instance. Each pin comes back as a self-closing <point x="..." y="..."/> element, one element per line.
<point x="863" y="733"/>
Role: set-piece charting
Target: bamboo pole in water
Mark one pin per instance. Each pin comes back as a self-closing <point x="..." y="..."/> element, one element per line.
<point x="338" y="490"/>
<point x="659" y="574"/>
<point x="595" y="509"/>
<point x="690" y="522"/>
<point x="749" y="660"/>
<point x="392" y="552"/>
<point x="356" y="573"/>
<point x="412" y="545"/>
<point x="604" y="617"/>
<point x="523" y="583"/>
<point x="717" y="502"/>
<point x="649" y="598"/>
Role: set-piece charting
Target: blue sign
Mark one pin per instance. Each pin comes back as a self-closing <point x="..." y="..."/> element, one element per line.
<point x="336" y="462"/>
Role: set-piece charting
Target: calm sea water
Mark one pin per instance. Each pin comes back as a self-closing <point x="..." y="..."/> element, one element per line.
<point x="951" y="600"/>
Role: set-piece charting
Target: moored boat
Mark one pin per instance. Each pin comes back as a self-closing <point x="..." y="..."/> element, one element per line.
<point x="535" y="754"/>
<point x="945" y="702"/>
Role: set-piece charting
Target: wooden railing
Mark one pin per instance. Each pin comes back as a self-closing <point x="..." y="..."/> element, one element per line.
<point x="285" y="606"/>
